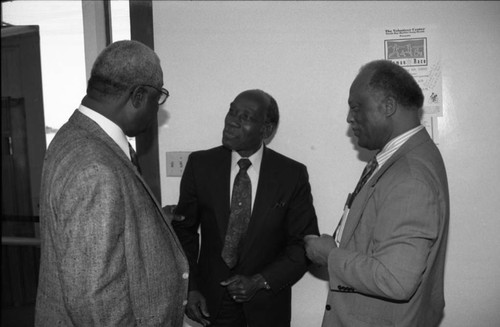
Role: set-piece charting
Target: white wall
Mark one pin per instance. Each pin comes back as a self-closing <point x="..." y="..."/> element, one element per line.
<point x="306" y="55"/>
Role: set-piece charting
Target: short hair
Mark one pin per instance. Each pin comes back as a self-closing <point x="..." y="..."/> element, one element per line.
<point x="122" y="65"/>
<point x="272" y="110"/>
<point x="273" y="113"/>
<point x="393" y="80"/>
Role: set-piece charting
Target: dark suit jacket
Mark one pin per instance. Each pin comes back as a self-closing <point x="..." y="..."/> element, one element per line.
<point x="282" y="215"/>
<point x="109" y="255"/>
<point x="388" y="270"/>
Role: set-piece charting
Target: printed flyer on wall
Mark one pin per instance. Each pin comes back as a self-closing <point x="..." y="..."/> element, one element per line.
<point x="416" y="48"/>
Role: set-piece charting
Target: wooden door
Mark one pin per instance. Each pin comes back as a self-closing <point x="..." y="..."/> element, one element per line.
<point x="23" y="148"/>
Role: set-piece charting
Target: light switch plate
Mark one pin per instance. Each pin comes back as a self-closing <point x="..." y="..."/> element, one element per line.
<point x="176" y="162"/>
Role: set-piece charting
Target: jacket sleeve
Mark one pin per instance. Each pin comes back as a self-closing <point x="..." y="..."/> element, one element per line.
<point x="187" y="230"/>
<point x="405" y="226"/>
<point x="93" y="267"/>
<point x="300" y="220"/>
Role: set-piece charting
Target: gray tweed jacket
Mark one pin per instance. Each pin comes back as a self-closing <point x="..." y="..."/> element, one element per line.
<point x="109" y="256"/>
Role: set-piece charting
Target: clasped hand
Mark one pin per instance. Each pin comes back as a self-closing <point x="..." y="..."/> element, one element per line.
<point x="242" y="288"/>
<point x="318" y="248"/>
<point x="196" y="308"/>
<point x="169" y="211"/>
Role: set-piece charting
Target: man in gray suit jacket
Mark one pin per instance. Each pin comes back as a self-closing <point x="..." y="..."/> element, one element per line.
<point x="386" y="259"/>
<point x="109" y="255"/>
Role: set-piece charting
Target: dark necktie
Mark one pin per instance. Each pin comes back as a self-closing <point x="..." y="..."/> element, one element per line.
<point x="241" y="204"/>
<point x="365" y="176"/>
<point x="133" y="158"/>
<point x="367" y="172"/>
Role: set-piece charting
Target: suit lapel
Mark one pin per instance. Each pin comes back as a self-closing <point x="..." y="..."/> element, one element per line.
<point x="266" y="189"/>
<point x="366" y="192"/>
<point x="220" y="179"/>
<point x="96" y="131"/>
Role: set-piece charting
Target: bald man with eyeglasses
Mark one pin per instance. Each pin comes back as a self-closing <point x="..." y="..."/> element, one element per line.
<point x="109" y="255"/>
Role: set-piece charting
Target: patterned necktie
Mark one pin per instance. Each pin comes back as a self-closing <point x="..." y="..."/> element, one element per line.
<point x="365" y="176"/>
<point x="133" y="158"/>
<point x="241" y="204"/>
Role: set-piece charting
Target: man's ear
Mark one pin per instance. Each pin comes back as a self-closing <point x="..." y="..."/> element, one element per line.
<point x="391" y="105"/>
<point x="138" y="96"/>
<point x="268" y="130"/>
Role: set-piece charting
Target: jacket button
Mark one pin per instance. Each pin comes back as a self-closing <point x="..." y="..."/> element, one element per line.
<point x="328" y="307"/>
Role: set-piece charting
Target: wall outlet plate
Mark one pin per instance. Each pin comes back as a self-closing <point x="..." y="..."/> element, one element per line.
<point x="176" y="162"/>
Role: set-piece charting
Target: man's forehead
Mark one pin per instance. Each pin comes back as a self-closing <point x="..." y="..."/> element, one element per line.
<point x="246" y="103"/>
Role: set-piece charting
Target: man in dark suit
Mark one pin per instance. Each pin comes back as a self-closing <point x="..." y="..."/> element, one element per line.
<point x="253" y="286"/>
<point x="386" y="258"/>
<point x="109" y="255"/>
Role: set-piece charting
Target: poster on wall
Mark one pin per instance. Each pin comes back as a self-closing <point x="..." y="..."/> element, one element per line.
<point x="416" y="48"/>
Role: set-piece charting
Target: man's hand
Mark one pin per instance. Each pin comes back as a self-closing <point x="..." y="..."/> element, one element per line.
<point x="243" y="288"/>
<point x="318" y="248"/>
<point x="196" y="308"/>
<point x="170" y="212"/>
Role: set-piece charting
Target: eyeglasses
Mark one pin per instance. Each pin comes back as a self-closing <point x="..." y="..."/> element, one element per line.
<point x="164" y="94"/>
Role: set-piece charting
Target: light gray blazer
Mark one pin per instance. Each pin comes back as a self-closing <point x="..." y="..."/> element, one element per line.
<point x="109" y="256"/>
<point x="388" y="270"/>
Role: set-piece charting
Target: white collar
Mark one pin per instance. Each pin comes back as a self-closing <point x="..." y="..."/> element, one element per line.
<point x="114" y="131"/>
<point x="255" y="159"/>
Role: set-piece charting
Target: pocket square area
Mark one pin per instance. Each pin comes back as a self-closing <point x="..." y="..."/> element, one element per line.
<point x="279" y="205"/>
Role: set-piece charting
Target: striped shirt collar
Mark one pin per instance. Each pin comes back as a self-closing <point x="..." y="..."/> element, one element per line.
<point x="393" y="145"/>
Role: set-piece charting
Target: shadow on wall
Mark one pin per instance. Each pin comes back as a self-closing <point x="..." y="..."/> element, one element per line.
<point x="163" y="116"/>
